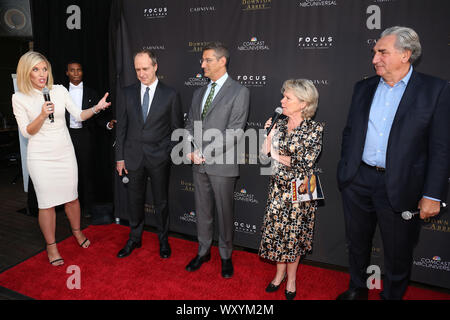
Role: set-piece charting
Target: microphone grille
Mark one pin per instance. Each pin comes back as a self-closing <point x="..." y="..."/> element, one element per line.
<point x="406" y="215"/>
<point x="279" y="110"/>
<point x="45" y="90"/>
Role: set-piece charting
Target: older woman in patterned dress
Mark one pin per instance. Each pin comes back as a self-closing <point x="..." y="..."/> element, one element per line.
<point x="294" y="144"/>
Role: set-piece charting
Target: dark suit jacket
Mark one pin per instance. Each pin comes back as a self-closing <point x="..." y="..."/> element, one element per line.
<point x="417" y="158"/>
<point x="150" y="140"/>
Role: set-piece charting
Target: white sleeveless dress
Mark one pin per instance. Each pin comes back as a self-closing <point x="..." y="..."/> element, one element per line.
<point x="50" y="155"/>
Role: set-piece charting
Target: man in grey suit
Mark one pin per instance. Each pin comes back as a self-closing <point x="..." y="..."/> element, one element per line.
<point x="221" y="106"/>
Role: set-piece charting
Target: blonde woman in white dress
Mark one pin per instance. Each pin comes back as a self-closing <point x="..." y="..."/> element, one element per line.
<point x="50" y="156"/>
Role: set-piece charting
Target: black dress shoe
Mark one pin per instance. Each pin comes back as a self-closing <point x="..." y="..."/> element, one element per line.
<point x="354" y="294"/>
<point x="227" y="268"/>
<point x="164" y="250"/>
<point x="197" y="262"/>
<point x="272" y="288"/>
<point x="290" y="295"/>
<point x="129" y="247"/>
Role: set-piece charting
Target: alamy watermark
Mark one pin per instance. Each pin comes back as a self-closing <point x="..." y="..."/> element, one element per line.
<point x="221" y="147"/>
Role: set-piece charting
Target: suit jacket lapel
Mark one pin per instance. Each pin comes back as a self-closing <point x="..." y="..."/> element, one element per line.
<point x="407" y="98"/>
<point x="138" y="104"/>
<point x="219" y="95"/>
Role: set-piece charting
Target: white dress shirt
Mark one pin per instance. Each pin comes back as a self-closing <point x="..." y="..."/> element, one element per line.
<point x="76" y="92"/>
<point x="219" y="84"/>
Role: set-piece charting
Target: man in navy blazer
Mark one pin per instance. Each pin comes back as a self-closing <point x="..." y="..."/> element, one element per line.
<point x="395" y="157"/>
<point x="147" y="114"/>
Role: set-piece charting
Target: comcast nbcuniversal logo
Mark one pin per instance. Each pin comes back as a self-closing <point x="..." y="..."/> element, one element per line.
<point x="253" y="45"/>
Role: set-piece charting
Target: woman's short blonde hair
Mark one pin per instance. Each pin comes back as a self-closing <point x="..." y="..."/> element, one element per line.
<point x="24" y="68"/>
<point x="304" y="90"/>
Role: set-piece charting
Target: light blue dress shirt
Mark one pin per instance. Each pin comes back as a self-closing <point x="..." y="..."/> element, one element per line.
<point x="382" y="112"/>
<point x="219" y="84"/>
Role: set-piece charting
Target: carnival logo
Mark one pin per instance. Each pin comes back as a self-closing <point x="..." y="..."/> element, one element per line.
<point x="252" y="80"/>
<point x="154" y="47"/>
<point x="197" y="46"/>
<point x="151" y="13"/>
<point x="198" y="81"/>
<point x="202" y="9"/>
<point x="253" y="45"/>
<point x="316" y="3"/>
<point x="252" y="5"/>
<point x="244" y="227"/>
<point x="315" y="42"/>
<point x="433" y="263"/>
<point x="189" y="217"/>
<point x="320" y="82"/>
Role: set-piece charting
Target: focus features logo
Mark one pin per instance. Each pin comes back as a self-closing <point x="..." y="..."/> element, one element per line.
<point x="245" y="227"/>
<point x="252" y="5"/>
<point x="315" y="42"/>
<point x="253" y="45"/>
<point x="250" y="80"/>
<point x="152" y="13"/>
<point x="316" y="3"/>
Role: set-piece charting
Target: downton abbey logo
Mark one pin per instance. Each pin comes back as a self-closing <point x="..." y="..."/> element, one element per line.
<point x="252" y="5"/>
<point x="152" y="13"/>
<point x="197" y="46"/>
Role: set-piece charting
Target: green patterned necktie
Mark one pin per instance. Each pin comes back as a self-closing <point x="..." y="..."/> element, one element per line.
<point x="208" y="100"/>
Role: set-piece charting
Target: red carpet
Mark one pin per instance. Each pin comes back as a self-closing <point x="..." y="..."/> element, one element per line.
<point x="144" y="275"/>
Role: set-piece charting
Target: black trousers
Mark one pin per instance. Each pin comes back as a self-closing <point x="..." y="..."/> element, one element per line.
<point x="365" y="205"/>
<point x="83" y="145"/>
<point x="136" y="189"/>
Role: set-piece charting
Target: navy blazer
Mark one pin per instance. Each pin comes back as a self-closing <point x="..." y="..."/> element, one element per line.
<point x="417" y="156"/>
<point x="149" y="140"/>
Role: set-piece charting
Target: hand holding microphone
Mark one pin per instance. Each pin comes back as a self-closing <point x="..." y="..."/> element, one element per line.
<point x="48" y="106"/>
<point x="196" y="156"/>
<point x="408" y="215"/>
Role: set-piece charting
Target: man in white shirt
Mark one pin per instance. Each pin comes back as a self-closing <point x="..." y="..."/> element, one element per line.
<point x="83" y="134"/>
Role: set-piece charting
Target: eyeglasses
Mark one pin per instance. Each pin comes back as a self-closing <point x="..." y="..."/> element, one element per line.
<point x="207" y="60"/>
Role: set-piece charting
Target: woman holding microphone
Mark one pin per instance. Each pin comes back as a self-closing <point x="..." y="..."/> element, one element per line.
<point x="50" y="155"/>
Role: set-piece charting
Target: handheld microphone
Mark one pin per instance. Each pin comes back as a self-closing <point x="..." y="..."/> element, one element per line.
<point x="191" y="139"/>
<point x="275" y="117"/>
<point x="46" y="94"/>
<point x="407" y="215"/>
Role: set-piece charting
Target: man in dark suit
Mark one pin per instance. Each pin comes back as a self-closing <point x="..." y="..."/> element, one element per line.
<point x="147" y="114"/>
<point x="223" y="106"/>
<point x="395" y="157"/>
<point x="83" y="133"/>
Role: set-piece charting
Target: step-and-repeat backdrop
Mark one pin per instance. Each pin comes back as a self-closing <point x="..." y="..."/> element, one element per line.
<point x="270" y="41"/>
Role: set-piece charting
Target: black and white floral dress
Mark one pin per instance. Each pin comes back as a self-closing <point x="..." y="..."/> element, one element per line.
<point x="287" y="230"/>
